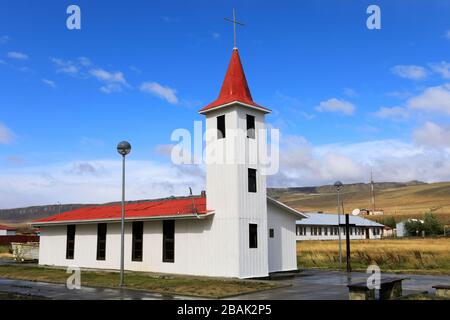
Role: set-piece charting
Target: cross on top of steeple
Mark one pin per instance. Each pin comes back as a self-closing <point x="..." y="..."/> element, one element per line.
<point x="235" y="22"/>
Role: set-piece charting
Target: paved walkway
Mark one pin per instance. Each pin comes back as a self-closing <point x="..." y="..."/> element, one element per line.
<point x="308" y="285"/>
<point x="60" y="292"/>
<point x="332" y="285"/>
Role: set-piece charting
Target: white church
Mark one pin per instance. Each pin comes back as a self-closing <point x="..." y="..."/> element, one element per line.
<point x="232" y="230"/>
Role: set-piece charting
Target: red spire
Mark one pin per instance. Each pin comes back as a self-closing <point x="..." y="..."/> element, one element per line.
<point x="234" y="86"/>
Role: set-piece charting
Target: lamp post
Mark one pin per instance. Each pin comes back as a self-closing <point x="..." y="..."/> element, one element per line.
<point x="123" y="148"/>
<point x="338" y="185"/>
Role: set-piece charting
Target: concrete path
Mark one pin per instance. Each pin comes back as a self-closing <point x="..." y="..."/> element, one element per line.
<point x="60" y="292"/>
<point x="308" y="285"/>
<point x="332" y="285"/>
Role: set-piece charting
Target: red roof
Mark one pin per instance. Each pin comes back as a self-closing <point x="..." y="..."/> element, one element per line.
<point x="177" y="207"/>
<point x="234" y="86"/>
<point x="3" y="227"/>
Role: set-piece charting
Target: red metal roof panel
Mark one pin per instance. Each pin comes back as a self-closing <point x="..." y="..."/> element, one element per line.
<point x="154" y="208"/>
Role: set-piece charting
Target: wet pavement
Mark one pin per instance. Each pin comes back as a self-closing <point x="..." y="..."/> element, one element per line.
<point x="307" y="285"/>
<point x="332" y="285"/>
<point x="60" y="292"/>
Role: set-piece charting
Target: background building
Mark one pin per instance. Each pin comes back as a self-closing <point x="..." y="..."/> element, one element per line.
<point x="7" y="231"/>
<point x="324" y="226"/>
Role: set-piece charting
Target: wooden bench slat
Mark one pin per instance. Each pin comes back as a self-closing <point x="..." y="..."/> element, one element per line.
<point x="361" y="285"/>
<point x="441" y="286"/>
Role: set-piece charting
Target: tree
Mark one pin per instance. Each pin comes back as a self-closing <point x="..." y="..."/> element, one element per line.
<point x="431" y="225"/>
<point x="414" y="227"/>
<point x="389" y="222"/>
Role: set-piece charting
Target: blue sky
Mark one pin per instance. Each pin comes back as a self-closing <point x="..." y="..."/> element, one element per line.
<point x="346" y="99"/>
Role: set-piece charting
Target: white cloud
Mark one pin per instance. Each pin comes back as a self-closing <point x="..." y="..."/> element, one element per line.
<point x="50" y="83"/>
<point x="63" y="66"/>
<point x="447" y="34"/>
<point x="410" y="72"/>
<point x="215" y="35"/>
<point x="17" y="55"/>
<point x="349" y="92"/>
<point x="6" y="135"/>
<point x="4" y="39"/>
<point x="106" y="76"/>
<point x="336" y="105"/>
<point x="442" y="68"/>
<point x="433" y="135"/>
<point x="394" y="113"/>
<point x="135" y="69"/>
<point x="114" y="81"/>
<point x="164" y="149"/>
<point x="302" y="164"/>
<point x="96" y="181"/>
<point x="160" y="91"/>
<point x="432" y="99"/>
<point x="399" y="94"/>
<point x="86" y="62"/>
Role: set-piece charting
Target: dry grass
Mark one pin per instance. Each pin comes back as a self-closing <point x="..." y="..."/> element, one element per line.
<point x="5" y="252"/>
<point x="182" y="285"/>
<point x="401" y="202"/>
<point x="427" y="256"/>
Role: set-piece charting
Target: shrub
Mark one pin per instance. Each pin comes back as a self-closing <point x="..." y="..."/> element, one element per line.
<point x="414" y="227"/>
<point x="431" y="225"/>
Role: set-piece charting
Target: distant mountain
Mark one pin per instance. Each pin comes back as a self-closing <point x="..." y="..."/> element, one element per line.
<point x="27" y="214"/>
<point x="401" y="200"/>
<point x="398" y="199"/>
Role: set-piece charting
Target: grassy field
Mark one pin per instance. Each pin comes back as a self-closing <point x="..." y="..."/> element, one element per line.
<point x="182" y="285"/>
<point x="421" y="256"/>
<point x="5" y="252"/>
<point x="409" y="201"/>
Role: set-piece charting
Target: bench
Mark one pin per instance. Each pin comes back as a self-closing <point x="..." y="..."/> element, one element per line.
<point x="442" y="291"/>
<point x="390" y="288"/>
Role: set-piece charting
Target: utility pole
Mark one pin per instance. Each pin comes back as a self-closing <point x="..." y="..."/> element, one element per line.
<point x="123" y="148"/>
<point x="372" y="191"/>
<point x="338" y="185"/>
<point x="347" y="240"/>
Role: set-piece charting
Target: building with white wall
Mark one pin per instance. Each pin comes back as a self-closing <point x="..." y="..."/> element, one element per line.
<point x="234" y="230"/>
<point x="7" y="231"/>
<point x="324" y="226"/>
<point x="400" y="227"/>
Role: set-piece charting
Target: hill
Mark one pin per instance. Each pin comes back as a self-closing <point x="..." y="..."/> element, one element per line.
<point x="400" y="200"/>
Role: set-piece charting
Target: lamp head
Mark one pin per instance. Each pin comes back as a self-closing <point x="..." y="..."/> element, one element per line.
<point x="124" y="148"/>
<point x="338" y="185"/>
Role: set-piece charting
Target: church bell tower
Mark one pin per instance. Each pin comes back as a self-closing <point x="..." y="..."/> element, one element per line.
<point x="235" y="185"/>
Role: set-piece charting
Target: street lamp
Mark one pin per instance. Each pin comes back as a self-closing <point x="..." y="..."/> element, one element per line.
<point x="338" y="185"/>
<point x="123" y="148"/>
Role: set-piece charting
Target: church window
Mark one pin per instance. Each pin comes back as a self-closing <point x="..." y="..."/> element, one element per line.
<point x="271" y="233"/>
<point x="168" y="241"/>
<point x="253" y="233"/>
<point x="70" y="246"/>
<point x="221" y="127"/>
<point x="101" y="241"/>
<point x="251" y="180"/>
<point x="250" y="126"/>
<point x="137" y="245"/>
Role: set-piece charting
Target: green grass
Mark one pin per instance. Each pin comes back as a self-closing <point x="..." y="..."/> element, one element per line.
<point x="182" y="285"/>
<point x="421" y="296"/>
<point x="4" y="249"/>
<point x="5" y="252"/>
